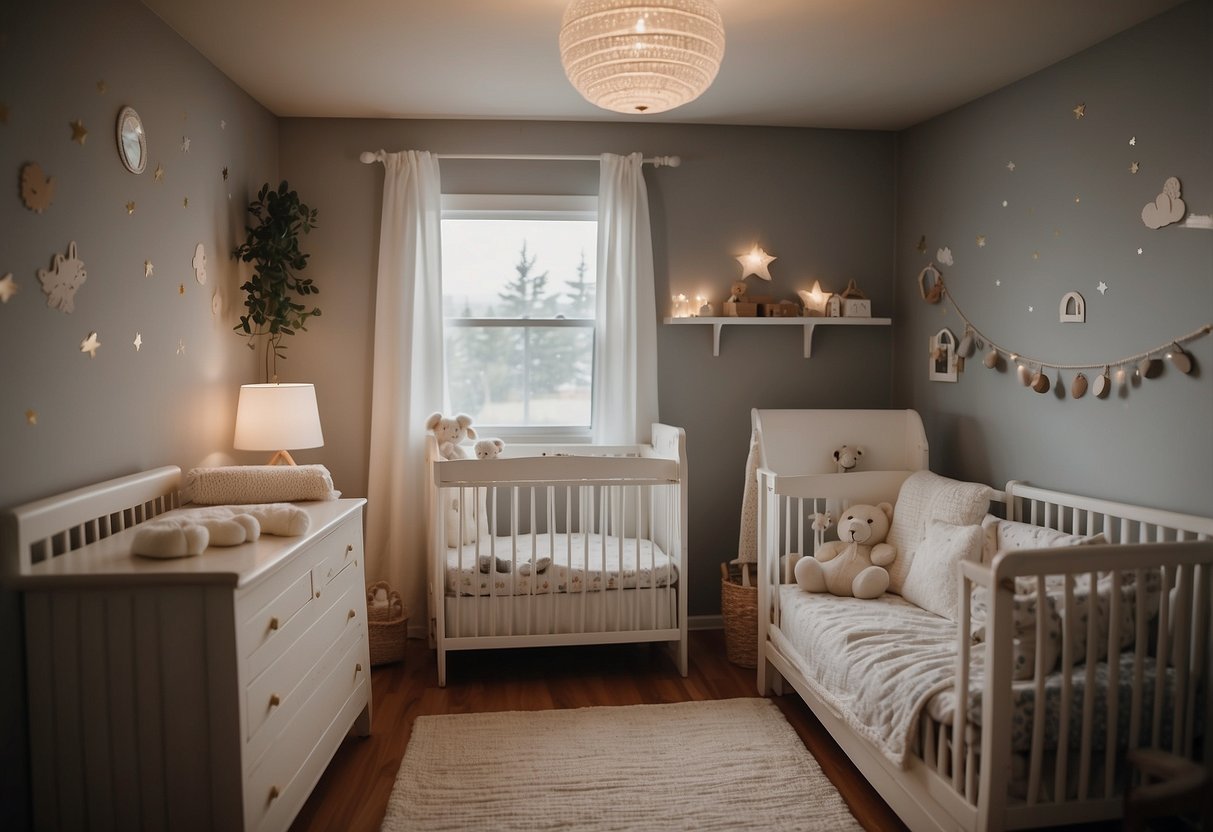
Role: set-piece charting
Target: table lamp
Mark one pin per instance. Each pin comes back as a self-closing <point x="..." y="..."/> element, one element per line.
<point x="273" y="417"/>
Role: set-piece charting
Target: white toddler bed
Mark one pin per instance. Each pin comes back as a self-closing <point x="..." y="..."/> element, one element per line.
<point x="1131" y="662"/>
<point x="546" y="545"/>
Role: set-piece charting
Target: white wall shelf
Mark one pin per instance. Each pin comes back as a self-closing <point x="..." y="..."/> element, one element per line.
<point x="809" y="324"/>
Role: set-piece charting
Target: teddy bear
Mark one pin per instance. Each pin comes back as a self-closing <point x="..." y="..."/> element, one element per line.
<point x="189" y="532"/>
<point x="847" y="457"/>
<point x="488" y="448"/>
<point x="450" y="433"/>
<point x="855" y="564"/>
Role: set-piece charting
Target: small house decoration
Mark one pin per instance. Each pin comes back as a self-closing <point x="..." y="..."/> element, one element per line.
<point x="930" y="284"/>
<point x="834" y="307"/>
<point x="943" y="356"/>
<point x="855" y="303"/>
<point x="814" y="300"/>
<point x="1073" y="308"/>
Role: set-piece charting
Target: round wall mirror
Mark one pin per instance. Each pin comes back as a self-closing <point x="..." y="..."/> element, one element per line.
<point x="132" y="141"/>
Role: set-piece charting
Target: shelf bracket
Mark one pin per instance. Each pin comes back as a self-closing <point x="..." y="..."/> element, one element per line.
<point x="809" y="325"/>
<point x="716" y="327"/>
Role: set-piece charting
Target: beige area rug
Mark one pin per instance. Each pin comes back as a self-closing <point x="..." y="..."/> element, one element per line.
<point x="719" y="765"/>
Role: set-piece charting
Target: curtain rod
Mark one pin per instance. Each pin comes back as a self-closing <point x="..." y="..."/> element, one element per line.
<point x="368" y="157"/>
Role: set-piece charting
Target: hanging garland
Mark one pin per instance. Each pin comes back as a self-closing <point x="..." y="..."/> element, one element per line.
<point x="933" y="289"/>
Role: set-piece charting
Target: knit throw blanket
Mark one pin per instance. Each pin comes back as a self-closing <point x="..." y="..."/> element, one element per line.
<point x="240" y="484"/>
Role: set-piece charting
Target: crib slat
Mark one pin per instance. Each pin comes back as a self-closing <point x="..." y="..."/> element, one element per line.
<point x="1088" y="692"/>
<point x="1112" y="708"/>
<point x="1183" y="623"/>
<point x="1161" y="655"/>
<point x="960" y="715"/>
<point x="970" y="767"/>
<point x="1038" y="710"/>
<point x="1200" y="632"/>
<point x="1067" y="684"/>
<point x="941" y="751"/>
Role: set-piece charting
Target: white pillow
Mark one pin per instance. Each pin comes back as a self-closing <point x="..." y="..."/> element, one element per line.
<point x="924" y="497"/>
<point x="934" y="579"/>
<point x="475" y="520"/>
<point x="1011" y="534"/>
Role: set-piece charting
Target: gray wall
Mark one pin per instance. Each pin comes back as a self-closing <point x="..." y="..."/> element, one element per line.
<point x="1151" y="442"/>
<point x="822" y="201"/>
<point x="123" y="410"/>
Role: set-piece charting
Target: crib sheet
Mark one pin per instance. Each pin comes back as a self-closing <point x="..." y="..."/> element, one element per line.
<point x="580" y="563"/>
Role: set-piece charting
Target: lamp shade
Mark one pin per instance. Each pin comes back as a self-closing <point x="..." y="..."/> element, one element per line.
<point x="271" y="417"/>
<point x="633" y="56"/>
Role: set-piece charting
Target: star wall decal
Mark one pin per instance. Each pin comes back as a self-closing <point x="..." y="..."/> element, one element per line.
<point x="222" y="124"/>
<point x="90" y="345"/>
<point x="1134" y="167"/>
<point x="158" y="175"/>
<point x="1011" y="166"/>
<point x="1140" y="250"/>
<point x="148" y="268"/>
<point x="1133" y="141"/>
<point x="1031" y="309"/>
<point x="185" y="144"/>
<point x="755" y="262"/>
<point x="981" y="240"/>
<point x="1004" y="203"/>
<point x="225" y="173"/>
<point x="181" y="347"/>
<point x="79" y="133"/>
<point x="130" y="207"/>
<point x="8" y="287"/>
<point x="997" y="282"/>
<point x="185" y="203"/>
<point x="1080" y="111"/>
<point x="138" y="342"/>
<point x="181" y="289"/>
<point x="31" y="417"/>
<point x="1102" y="288"/>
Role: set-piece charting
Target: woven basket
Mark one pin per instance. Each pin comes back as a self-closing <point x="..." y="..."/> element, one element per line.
<point x="739" y="609"/>
<point x="388" y="626"/>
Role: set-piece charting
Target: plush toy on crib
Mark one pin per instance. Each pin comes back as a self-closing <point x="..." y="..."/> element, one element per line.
<point x="489" y="448"/>
<point x="855" y="564"/>
<point x="450" y="433"/>
<point x="847" y="457"/>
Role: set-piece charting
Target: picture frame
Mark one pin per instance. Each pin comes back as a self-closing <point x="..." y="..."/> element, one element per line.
<point x="941" y="357"/>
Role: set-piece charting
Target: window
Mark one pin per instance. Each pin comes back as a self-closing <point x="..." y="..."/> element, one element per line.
<point x="518" y="279"/>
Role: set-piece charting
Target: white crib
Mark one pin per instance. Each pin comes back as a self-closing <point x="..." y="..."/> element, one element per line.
<point x="610" y="519"/>
<point x="987" y="762"/>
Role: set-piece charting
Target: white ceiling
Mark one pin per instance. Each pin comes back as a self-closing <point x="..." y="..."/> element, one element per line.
<point x="870" y="64"/>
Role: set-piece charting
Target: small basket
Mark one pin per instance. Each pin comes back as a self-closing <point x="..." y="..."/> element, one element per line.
<point x="739" y="609"/>
<point x="387" y="625"/>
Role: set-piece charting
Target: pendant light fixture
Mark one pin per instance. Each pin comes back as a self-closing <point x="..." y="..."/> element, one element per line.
<point x="640" y="57"/>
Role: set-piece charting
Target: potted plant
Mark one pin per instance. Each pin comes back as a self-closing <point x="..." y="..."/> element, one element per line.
<point x="274" y="292"/>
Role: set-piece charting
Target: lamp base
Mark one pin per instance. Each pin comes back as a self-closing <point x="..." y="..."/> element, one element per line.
<point x="281" y="458"/>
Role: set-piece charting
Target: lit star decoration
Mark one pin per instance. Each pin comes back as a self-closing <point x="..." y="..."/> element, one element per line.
<point x="79" y="133"/>
<point x="138" y="342"/>
<point x="159" y="173"/>
<point x="1080" y="111"/>
<point x="1102" y="288"/>
<point x="1011" y="166"/>
<point x="148" y="268"/>
<point x="130" y="207"/>
<point x="1134" y="167"/>
<point x="8" y="287"/>
<point x="102" y="87"/>
<point x="90" y="345"/>
<point x="185" y="144"/>
<point x="31" y="417"/>
<point x="755" y="262"/>
<point x="981" y="240"/>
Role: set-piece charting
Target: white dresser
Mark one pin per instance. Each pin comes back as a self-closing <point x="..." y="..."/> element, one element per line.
<point x="200" y="693"/>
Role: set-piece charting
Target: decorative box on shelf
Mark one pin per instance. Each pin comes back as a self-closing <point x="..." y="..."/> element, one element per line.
<point x="740" y="309"/>
<point x="783" y="309"/>
<point x="856" y="308"/>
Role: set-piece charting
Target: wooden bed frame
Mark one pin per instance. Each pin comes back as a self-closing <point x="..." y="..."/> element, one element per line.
<point x="949" y="783"/>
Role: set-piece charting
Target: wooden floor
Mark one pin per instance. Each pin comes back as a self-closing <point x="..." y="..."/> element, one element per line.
<point x="352" y="795"/>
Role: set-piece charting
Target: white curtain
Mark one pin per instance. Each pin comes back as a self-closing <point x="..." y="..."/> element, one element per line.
<point x="408" y="373"/>
<point x="625" y="341"/>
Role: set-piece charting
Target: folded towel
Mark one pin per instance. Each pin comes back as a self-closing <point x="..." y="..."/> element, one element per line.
<point x="188" y="532"/>
<point x="258" y="484"/>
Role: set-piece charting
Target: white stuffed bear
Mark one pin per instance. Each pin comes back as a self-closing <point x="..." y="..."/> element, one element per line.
<point x="190" y="531"/>
<point x="450" y="433"/>
<point x="847" y="457"/>
<point x="489" y="448"/>
<point x="855" y="563"/>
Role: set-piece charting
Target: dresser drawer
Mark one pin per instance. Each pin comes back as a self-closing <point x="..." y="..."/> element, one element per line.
<point x="270" y="623"/>
<point x="275" y="688"/>
<point x="280" y="782"/>
<point x="342" y="549"/>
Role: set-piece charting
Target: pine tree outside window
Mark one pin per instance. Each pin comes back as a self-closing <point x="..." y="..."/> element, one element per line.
<point x="518" y="279"/>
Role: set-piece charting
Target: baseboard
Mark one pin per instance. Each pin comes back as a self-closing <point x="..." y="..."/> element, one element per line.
<point x="705" y="622"/>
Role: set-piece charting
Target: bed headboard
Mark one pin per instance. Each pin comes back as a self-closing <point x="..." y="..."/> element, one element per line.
<point x="52" y="526"/>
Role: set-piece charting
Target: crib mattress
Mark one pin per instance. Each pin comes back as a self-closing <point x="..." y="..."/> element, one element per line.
<point x="580" y="563"/>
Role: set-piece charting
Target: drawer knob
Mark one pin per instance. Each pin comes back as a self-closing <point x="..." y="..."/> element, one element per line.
<point x="274" y="623"/>
<point x="351" y="615"/>
<point x="317" y="593"/>
<point x="274" y="793"/>
<point x="349" y="548"/>
<point x="274" y="700"/>
<point x="358" y="667"/>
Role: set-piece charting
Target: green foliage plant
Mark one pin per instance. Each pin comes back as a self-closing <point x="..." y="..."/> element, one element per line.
<point x="274" y="293"/>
